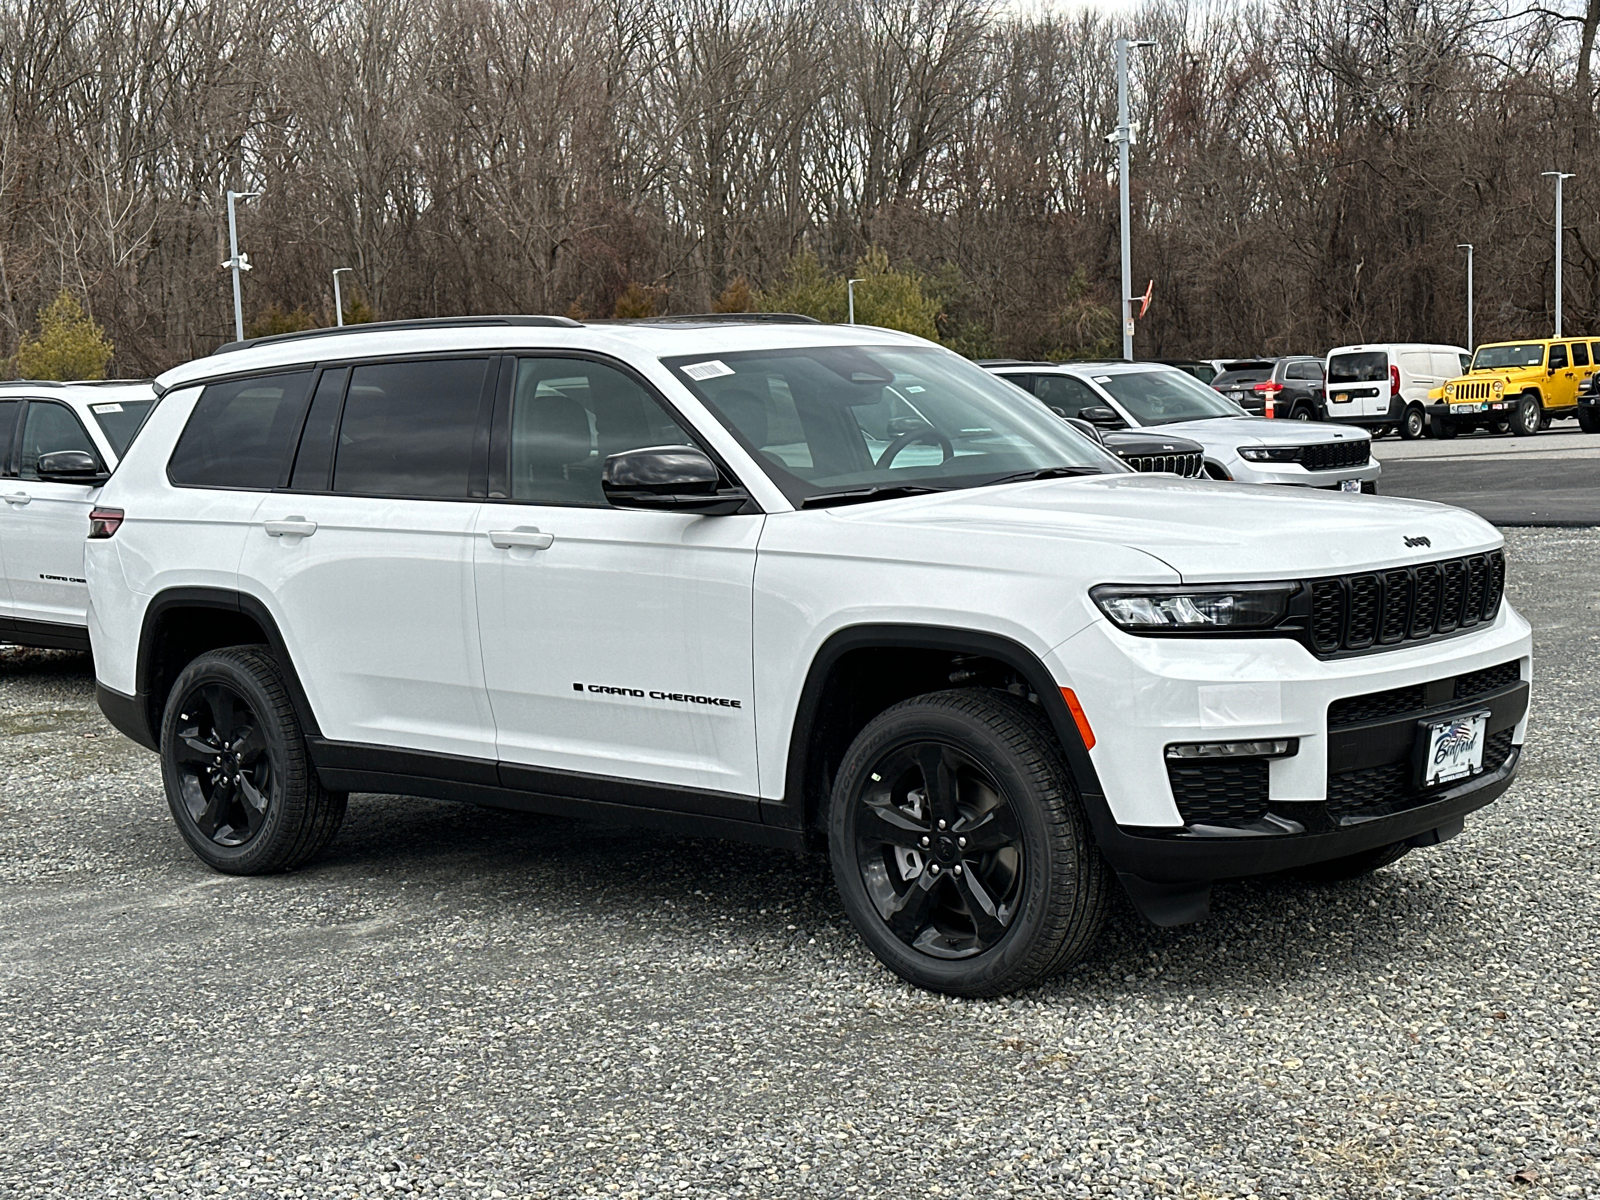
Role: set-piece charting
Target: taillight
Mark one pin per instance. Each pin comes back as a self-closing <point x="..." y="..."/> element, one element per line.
<point x="1394" y="380"/>
<point x="1268" y="388"/>
<point x="103" y="522"/>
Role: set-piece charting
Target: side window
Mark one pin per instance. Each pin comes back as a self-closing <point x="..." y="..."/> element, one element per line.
<point x="1068" y="396"/>
<point x="8" y="422"/>
<point x="567" y="417"/>
<point x="1305" y="370"/>
<point x="1558" y="358"/>
<point x="409" y="429"/>
<point x="1580" y="354"/>
<point x="1028" y="383"/>
<point x="1594" y="351"/>
<point x="50" y="427"/>
<point x="241" y="433"/>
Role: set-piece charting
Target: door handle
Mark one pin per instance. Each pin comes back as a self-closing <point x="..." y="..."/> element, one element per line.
<point x="290" y="527"/>
<point x="18" y="498"/>
<point x="532" y="539"/>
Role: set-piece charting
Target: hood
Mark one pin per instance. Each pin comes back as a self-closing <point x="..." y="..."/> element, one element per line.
<point x="1260" y="431"/>
<point x="1204" y="530"/>
<point x="1152" y="440"/>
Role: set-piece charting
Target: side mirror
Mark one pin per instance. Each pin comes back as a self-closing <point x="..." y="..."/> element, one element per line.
<point x="71" y="466"/>
<point x="1103" y="417"/>
<point x="1083" y="427"/>
<point x="669" y="479"/>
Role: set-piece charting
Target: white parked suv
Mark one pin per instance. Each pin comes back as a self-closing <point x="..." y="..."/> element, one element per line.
<point x="58" y="443"/>
<point x="795" y="583"/>
<point x="1246" y="449"/>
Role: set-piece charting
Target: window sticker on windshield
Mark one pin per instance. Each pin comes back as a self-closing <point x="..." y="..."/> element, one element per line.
<point x="106" y="408"/>
<point x="915" y="390"/>
<point x="1102" y="379"/>
<point x="711" y="369"/>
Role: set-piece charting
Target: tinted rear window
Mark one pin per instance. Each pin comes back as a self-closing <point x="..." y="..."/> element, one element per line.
<point x="119" y="420"/>
<point x="1243" y="376"/>
<point x="1362" y="367"/>
<point x="409" y="429"/>
<point x="241" y="433"/>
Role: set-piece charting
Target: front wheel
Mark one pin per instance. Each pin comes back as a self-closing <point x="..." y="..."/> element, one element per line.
<point x="241" y="788"/>
<point x="960" y="847"/>
<point x="1442" y="428"/>
<point x="1527" y="417"/>
<point x="1589" y="420"/>
<point x="1414" y="424"/>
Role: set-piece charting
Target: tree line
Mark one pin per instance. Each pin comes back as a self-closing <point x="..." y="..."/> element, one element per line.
<point x="1303" y="173"/>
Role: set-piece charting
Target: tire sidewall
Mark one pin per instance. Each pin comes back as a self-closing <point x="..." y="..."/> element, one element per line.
<point x="219" y="668"/>
<point x="1522" y="426"/>
<point x="900" y="727"/>
<point x="1414" y="424"/>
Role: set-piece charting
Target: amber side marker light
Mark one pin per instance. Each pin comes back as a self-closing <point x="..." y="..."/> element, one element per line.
<point x="1078" y="718"/>
<point x="103" y="522"/>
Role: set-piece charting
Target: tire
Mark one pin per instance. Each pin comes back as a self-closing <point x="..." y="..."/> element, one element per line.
<point x="1499" y="425"/>
<point x="267" y="811"/>
<point x="1528" y="416"/>
<point x="1302" y="412"/>
<point x="1008" y="786"/>
<point x="1589" y="420"/>
<point x="1413" y="423"/>
<point x="1352" y="866"/>
<point x="1442" y="428"/>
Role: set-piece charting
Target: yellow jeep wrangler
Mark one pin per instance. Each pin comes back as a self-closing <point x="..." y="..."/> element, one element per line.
<point x="1521" y="386"/>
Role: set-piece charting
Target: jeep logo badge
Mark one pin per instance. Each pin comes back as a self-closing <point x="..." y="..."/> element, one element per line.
<point x="1418" y="541"/>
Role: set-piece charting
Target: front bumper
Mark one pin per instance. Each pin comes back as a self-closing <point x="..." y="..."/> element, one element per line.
<point x="1141" y="695"/>
<point x="1476" y="410"/>
<point x="1294" y="475"/>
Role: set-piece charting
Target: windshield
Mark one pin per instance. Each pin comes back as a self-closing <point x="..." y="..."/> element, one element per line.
<point x="1522" y="354"/>
<point x="833" y="419"/>
<point x="1362" y="367"/>
<point x="120" y="421"/>
<point x="1162" y="397"/>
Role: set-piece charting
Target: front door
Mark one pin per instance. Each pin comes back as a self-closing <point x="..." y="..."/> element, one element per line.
<point x="367" y="556"/>
<point x="616" y="643"/>
<point x="46" y="523"/>
<point x="1561" y="378"/>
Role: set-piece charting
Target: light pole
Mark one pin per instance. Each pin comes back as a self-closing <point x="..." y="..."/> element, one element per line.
<point x="1467" y="246"/>
<point x="338" y="301"/>
<point x="1560" y="177"/>
<point x="238" y="262"/>
<point x="1122" y="136"/>
<point x="850" y="287"/>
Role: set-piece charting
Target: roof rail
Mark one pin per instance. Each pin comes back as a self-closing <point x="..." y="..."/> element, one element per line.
<point x="756" y="318"/>
<point x="62" y="383"/>
<point x="418" y="323"/>
<point x="1013" y="362"/>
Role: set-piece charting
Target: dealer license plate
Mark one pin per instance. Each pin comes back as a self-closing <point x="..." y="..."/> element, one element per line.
<point x="1349" y="485"/>
<point x="1453" y="748"/>
<point x="1468" y="407"/>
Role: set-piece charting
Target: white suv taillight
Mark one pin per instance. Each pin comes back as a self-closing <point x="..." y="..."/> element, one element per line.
<point x="103" y="522"/>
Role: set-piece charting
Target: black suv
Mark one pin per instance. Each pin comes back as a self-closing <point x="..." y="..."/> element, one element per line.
<point x="1291" y="386"/>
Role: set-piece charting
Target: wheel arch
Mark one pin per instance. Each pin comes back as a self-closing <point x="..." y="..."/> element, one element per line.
<point x="831" y="711"/>
<point x="179" y="625"/>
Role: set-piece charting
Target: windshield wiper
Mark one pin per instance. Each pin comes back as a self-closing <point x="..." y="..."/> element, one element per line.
<point x="863" y="494"/>
<point x="1045" y="473"/>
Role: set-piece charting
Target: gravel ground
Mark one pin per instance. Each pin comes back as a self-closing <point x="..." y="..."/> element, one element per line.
<point x="463" y="1003"/>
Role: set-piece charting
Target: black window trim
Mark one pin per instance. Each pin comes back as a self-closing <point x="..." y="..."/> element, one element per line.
<point x="10" y="468"/>
<point x="22" y="424"/>
<point x="500" y="435"/>
<point x="292" y="444"/>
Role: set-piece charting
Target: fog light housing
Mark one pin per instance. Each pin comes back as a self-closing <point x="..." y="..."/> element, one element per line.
<point x="1260" y="748"/>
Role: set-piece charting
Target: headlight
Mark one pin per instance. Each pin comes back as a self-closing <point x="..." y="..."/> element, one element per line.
<point x="1269" y="453"/>
<point x="1195" y="609"/>
<point x="1498" y="387"/>
<point x="1449" y="391"/>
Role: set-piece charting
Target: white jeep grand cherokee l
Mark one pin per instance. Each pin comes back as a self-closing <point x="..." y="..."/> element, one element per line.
<point x="794" y="583"/>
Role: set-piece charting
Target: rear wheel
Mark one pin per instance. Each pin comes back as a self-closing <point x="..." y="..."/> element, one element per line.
<point x="1442" y="428"/>
<point x="241" y="788"/>
<point x="1414" y="424"/>
<point x="1302" y="412"/>
<point x="1528" y="416"/>
<point x="1589" y="420"/>
<point x="1352" y="866"/>
<point x="960" y="848"/>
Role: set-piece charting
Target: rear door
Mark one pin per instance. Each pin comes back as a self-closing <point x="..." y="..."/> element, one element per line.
<point x="367" y="555"/>
<point x="1302" y="386"/>
<point x="1358" y="384"/>
<point x="1582" y="368"/>
<point x="1561" y="378"/>
<point x="46" y="523"/>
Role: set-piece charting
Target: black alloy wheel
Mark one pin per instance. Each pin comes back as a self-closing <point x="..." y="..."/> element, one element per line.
<point x="959" y="845"/>
<point x="238" y="780"/>
<point x="1414" y="424"/>
<point x="226" y="776"/>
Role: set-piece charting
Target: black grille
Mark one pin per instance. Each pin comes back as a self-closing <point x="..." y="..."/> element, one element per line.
<point x="1391" y="786"/>
<point x="1191" y="465"/>
<point x="1330" y="456"/>
<point x="1355" y="612"/>
<point x="1230" y="791"/>
<point x="1374" y="706"/>
<point x="1490" y="679"/>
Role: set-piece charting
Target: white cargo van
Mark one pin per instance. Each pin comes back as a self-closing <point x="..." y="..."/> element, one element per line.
<point x="1385" y="385"/>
